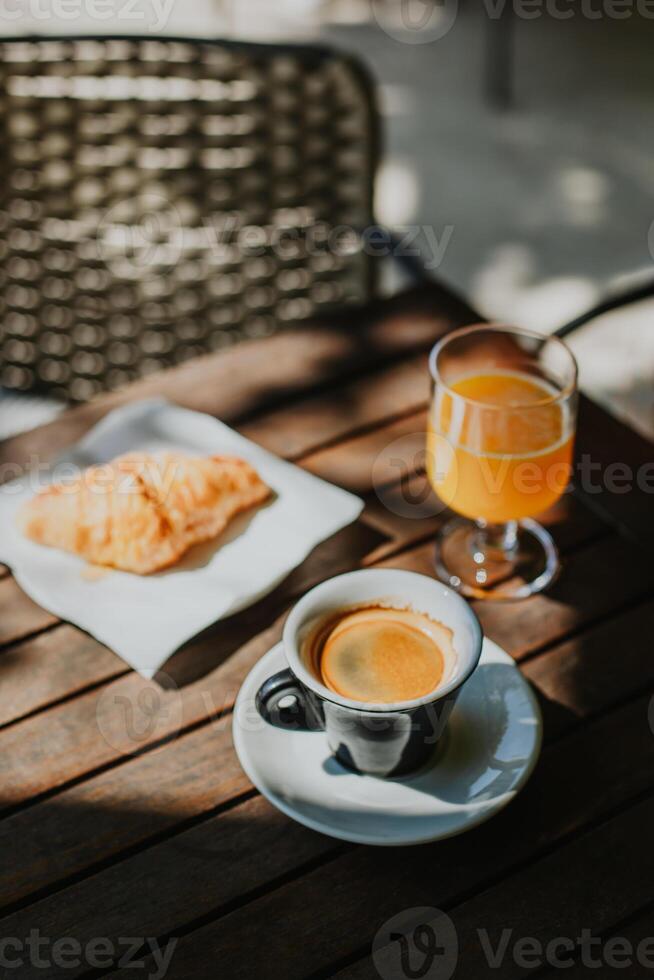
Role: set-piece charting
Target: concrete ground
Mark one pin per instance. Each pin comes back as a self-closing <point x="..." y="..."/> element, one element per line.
<point x="551" y="203"/>
<point x="536" y="211"/>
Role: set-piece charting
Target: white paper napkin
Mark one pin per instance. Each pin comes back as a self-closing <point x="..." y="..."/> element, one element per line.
<point x="145" y="619"/>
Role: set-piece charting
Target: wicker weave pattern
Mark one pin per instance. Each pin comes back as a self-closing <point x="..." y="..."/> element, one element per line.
<point x="162" y="198"/>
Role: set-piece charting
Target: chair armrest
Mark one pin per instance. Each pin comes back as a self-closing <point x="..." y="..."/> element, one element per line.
<point x="624" y="298"/>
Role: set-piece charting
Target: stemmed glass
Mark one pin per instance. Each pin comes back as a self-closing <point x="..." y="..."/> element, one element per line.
<point x="499" y="450"/>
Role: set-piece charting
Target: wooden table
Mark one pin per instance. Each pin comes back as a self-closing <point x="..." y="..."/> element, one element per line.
<point x="154" y="831"/>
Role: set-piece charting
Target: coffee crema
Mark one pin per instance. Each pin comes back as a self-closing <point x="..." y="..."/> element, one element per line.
<point x="380" y="654"/>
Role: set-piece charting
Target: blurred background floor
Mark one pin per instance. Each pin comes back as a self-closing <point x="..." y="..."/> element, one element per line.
<point x="533" y="212"/>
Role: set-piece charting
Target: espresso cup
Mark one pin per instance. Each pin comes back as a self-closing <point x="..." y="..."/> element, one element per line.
<point x="383" y="739"/>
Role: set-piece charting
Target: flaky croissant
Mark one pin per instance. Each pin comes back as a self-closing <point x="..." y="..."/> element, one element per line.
<point x="142" y="512"/>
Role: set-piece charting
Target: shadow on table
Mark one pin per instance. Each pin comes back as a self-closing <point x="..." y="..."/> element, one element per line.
<point x="371" y="337"/>
<point x="158" y="842"/>
<point x="210" y="649"/>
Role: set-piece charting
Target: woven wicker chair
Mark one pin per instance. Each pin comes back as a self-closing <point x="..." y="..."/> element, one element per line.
<point x="163" y="197"/>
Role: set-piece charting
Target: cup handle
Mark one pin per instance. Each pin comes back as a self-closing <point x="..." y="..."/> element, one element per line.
<point x="300" y="714"/>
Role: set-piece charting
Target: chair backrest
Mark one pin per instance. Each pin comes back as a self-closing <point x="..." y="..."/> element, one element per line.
<point x="162" y="197"/>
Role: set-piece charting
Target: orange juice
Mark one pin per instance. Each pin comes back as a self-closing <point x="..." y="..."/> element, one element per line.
<point x="501" y="451"/>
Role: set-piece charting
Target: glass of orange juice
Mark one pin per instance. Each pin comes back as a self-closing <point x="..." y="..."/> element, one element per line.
<point x="499" y="450"/>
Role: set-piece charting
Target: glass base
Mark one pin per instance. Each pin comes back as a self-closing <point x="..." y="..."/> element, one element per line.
<point x="499" y="563"/>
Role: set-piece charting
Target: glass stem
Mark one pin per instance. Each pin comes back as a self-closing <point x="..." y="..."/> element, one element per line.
<point x="494" y="542"/>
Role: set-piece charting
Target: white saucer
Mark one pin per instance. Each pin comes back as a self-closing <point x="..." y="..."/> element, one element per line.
<point x="486" y="756"/>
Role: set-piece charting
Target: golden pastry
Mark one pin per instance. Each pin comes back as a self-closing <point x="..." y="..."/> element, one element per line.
<point x="142" y="512"/>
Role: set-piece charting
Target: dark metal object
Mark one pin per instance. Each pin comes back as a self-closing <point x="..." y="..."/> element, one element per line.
<point x="625" y="298"/>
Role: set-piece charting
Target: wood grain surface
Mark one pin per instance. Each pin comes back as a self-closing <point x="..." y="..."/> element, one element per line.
<point x="154" y="831"/>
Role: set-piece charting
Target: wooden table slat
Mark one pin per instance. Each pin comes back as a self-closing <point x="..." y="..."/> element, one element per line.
<point x="65" y="661"/>
<point x="19" y="616"/>
<point x="586" y="884"/>
<point x="338" y="907"/>
<point x="638" y="932"/>
<point x="62" y="674"/>
<point x="45" y="751"/>
<point x="198" y="772"/>
<point x="619" y="475"/>
<point x="100" y="841"/>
